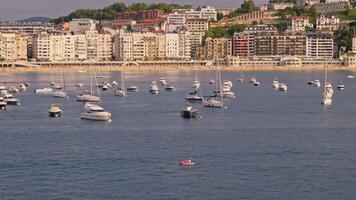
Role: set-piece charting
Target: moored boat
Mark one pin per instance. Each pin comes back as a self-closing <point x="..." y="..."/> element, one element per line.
<point x="189" y="112"/>
<point x="55" y="110"/>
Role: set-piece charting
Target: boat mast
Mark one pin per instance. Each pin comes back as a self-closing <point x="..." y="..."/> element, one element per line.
<point x="91" y="82"/>
<point x="96" y="82"/>
<point x="221" y="90"/>
<point x="122" y="80"/>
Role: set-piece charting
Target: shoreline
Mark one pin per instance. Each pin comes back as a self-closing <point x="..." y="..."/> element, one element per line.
<point x="172" y="69"/>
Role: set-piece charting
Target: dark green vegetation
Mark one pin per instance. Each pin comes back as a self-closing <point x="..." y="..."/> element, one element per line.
<point x="36" y="19"/>
<point x="111" y="12"/>
<point x="347" y="14"/>
<point x="345" y="37"/>
<point x="246" y="7"/>
<point x="224" y="31"/>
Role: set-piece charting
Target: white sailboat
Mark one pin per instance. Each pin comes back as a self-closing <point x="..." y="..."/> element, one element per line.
<point x="197" y="96"/>
<point x="328" y="90"/>
<point x="90" y="97"/>
<point x="216" y="102"/>
<point x="121" y="90"/>
<point x="61" y="93"/>
<point x="154" y="88"/>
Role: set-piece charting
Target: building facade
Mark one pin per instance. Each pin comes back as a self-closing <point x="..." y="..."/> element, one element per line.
<point x="324" y="23"/>
<point x="13" y="46"/>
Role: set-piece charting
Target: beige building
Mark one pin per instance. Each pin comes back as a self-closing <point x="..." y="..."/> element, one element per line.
<point x="197" y="25"/>
<point x="13" y="46"/>
<point x="218" y="48"/>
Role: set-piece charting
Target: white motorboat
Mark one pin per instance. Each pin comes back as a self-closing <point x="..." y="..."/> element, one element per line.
<point x="317" y="83"/>
<point x="154" y="88"/>
<point x="340" y="86"/>
<point x="55" y="110"/>
<point x="282" y="87"/>
<point x="22" y="87"/>
<point x="60" y="94"/>
<point x="79" y="85"/>
<point x="228" y="94"/>
<point x="52" y="83"/>
<point x="2" y="103"/>
<point x="10" y="99"/>
<point x="189" y="112"/>
<point x="12" y="89"/>
<point x="2" y="87"/>
<point x="93" y="107"/>
<point x="114" y="83"/>
<point x="120" y="92"/>
<point x="228" y="83"/>
<point x="96" y="115"/>
<point x="275" y="84"/>
<point x="105" y="87"/>
<point x="212" y="82"/>
<point x="45" y="91"/>
<point x="253" y="80"/>
<point x="256" y="83"/>
<point x="163" y="81"/>
<point x="350" y="76"/>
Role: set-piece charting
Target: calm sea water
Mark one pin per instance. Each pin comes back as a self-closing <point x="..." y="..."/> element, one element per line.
<point x="266" y="145"/>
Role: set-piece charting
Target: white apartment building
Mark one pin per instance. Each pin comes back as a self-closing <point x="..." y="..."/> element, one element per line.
<point x="68" y="47"/>
<point x="123" y="46"/>
<point x="299" y="23"/>
<point x="324" y="23"/>
<point x="13" y="46"/>
<point x="204" y="13"/>
<point x="320" y="45"/>
<point x="82" y="25"/>
<point x="353" y="48"/>
<point x="172" y="45"/>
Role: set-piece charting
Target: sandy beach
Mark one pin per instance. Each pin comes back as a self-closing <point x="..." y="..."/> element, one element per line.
<point x="45" y="69"/>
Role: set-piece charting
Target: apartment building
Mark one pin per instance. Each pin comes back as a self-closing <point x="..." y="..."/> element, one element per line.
<point x="218" y="48"/>
<point x="13" y="46"/>
<point x="243" y="45"/>
<point x="320" y="45"/>
<point x="299" y="23"/>
<point x="197" y="25"/>
<point x="281" y="45"/>
<point x="325" y="23"/>
<point x="29" y="28"/>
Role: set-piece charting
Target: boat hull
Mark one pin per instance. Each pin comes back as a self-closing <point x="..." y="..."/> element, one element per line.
<point x="96" y="117"/>
<point x="55" y="114"/>
<point x="188" y="114"/>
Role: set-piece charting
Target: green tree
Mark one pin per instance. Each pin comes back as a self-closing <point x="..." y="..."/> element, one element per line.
<point x="248" y="6"/>
<point x="118" y="7"/>
<point x="220" y="16"/>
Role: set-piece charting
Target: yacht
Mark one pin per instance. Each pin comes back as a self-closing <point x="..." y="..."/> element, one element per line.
<point x="55" y="110"/>
<point x="85" y="97"/>
<point x="189" y="112"/>
<point x="22" y="87"/>
<point x="275" y="84"/>
<point x="93" y="107"/>
<point x="10" y="99"/>
<point x="163" y="81"/>
<point x="317" y="83"/>
<point x="282" y="87"/>
<point x="217" y="102"/>
<point x="121" y="90"/>
<point x="2" y="103"/>
<point x="154" y="88"/>
<point x="340" y="86"/>
<point x="45" y="91"/>
<point x="96" y="113"/>
<point x="328" y="90"/>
